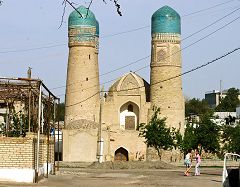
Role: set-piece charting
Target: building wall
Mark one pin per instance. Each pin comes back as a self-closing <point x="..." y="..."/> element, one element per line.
<point x="18" y="158"/>
<point x="238" y="112"/>
<point x="80" y="145"/>
<point x="80" y="141"/>
<point x="214" y="97"/>
<point x="16" y="152"/>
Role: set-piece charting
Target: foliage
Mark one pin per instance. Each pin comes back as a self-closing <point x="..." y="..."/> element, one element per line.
<point x="231" y="138"/>
<point x="156" y="133"/>
<point x="230" y="102"/>
<point x="196" y="107"/>
<point x="207" y="134"/>
<point x="189" y="139"/>
<point x="60" y="112"/>
<point x="204" y="133"/>
<point x="18" y="125"/>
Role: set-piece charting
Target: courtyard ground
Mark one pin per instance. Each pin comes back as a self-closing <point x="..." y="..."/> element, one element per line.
<point x="85" y="177"/>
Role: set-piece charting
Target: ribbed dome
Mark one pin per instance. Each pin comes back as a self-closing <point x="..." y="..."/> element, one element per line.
<point x="133" y="78"/>
<point x="87" y="20"/>
<point x="166" y="20"/>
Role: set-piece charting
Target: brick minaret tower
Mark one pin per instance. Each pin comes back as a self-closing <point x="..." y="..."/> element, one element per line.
<point x="165" y="64"/>
<point x="82" y="97"/>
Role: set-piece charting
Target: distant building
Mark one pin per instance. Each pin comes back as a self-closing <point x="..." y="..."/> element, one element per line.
<point x="214" y="97"/>
<point x="238" y="112"/>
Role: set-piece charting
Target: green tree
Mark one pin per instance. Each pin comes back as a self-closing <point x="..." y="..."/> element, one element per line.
<point x="231" y="138"/>
<point x="207" y="134"/>
<point x="156" y="133"/>
<point x="230" y="102"/>
<point x="189" y="138"/>
<point x="60" y="112"/>
<point x="203" y="132"/>
<point x="18" y="125"/>
<point x="196" y="107"/>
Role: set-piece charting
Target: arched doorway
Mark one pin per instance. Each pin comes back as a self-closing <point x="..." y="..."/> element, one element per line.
<point x="129" y="116"/>
<point x="121" y="154"/>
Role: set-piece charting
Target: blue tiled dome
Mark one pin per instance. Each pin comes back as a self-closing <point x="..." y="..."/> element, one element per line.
<point x="166" y="20"/>
<point x="97" y="28"/>
<point x="87" y="20"/>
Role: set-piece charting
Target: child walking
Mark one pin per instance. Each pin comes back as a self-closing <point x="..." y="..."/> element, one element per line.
<point x="198" y="162"/>
<point x="188" y="162"/>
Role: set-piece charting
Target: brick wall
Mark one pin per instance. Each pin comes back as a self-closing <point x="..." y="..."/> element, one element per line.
<point x="21" y="152"/>
<point x="16" y="152"/>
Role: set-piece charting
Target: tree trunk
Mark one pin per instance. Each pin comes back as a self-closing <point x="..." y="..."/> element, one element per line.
<point x="159" y="154"/>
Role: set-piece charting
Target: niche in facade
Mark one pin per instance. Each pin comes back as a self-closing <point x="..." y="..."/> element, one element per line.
<point x="121" y="154"/>
<point x="129" y="116"/>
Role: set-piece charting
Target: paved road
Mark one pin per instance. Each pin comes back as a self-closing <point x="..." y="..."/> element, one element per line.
<point x="210" y="177"/>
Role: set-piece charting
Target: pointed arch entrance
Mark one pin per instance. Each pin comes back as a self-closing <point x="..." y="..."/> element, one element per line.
<point x="121" y="154"/>
<point x="129" y="116"/>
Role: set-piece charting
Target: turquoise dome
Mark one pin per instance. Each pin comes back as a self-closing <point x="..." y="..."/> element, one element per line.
<point x="87" y="20"/>
<point x="166" y="20"/>
<point x="97" y="28"/>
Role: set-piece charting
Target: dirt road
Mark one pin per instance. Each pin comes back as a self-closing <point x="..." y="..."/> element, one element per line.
<point x="210" y="177"/>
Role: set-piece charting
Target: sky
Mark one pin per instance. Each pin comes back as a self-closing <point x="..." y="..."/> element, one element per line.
<point x="30" y="37"/>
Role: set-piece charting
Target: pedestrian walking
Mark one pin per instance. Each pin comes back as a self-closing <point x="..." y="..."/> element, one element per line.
<point x="198" y="162"/>
<point x="188" y="162"/>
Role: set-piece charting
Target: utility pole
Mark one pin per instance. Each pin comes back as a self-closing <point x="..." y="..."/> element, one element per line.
<point x="220" y="92"/>
<point x="100" y="139"/>
<point x="29" y="73"/>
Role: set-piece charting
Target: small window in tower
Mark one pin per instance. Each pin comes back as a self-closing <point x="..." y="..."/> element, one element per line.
<point x="89" y="56"/>
<point x="87" y="79"/>
<point x="130" y="108"/>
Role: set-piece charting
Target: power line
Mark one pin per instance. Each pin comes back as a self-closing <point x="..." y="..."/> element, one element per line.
<point x="107" y="36"/>
<point x="213" y="23"/>
<point x="195" y="41"/>
<point x="83" y="100"/>
<point x="205" y="9"/>
<point x="146" y="57"/>
<point x="106" y="73"/>
<point x="192" y="70"/>
<point x="90" y="87"/>
<point x="180" y="75"/>
<point x="171" y="54"/>
<point x="31" y="49"/>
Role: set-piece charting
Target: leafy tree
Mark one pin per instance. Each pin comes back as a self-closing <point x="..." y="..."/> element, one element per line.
<point x="18" y="126"/>
<point x="231" y="138"/>
<point x="203" y="132"/>
<point x="230" y="102"/>
<point x="207" y="134"/>
<point x="189" y="138"/>
<point x="196" y="107"/>
<point x="156" y="133"/>
<point x="60" y="112"/>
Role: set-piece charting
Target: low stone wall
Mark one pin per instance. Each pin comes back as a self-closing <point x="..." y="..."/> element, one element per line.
<point x="18" y="158"/>
<point x="210" y="163"/>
